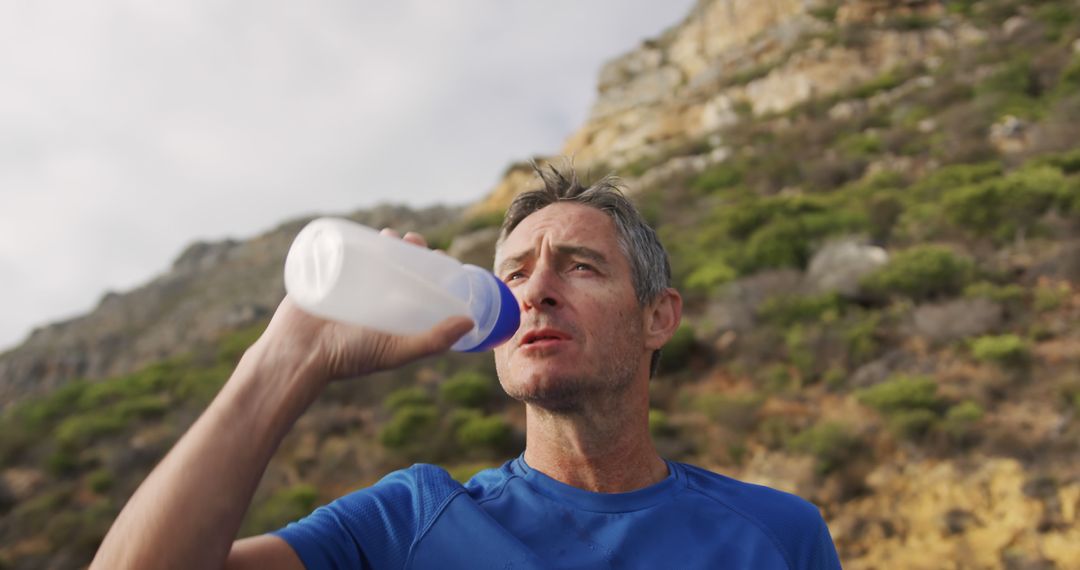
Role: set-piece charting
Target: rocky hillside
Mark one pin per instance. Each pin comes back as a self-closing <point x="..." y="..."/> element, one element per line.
<point x="874" y="215"/>
<point x="212" y="288"/>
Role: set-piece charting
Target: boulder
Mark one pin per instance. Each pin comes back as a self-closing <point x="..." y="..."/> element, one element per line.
<point x="477" y="248"/>
<point x="841" y="265"/>
<point x="737" y="305"/>
<point x="958" y="319"/>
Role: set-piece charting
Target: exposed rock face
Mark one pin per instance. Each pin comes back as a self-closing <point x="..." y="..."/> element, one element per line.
<point x="763" y="55"/>
<point x="211" y="288"/>
<point x="946" y="515"/>
<point x="684" y="84"/>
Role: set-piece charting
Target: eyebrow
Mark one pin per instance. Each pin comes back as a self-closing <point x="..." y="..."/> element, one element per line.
<point x="563" y="250"/>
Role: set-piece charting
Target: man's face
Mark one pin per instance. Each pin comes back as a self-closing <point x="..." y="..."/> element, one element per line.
<point x="581" y="324"/>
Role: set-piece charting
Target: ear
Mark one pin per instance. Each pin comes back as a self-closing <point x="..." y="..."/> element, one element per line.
<point x="662" y="318"/>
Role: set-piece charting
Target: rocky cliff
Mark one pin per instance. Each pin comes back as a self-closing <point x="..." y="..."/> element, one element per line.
<point x="735" y="60"/>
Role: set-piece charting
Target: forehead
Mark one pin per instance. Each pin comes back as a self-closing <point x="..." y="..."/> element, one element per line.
<point x="563" y="223"/>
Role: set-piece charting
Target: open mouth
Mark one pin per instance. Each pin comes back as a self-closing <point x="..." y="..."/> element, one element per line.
<point x="543" y="336"/>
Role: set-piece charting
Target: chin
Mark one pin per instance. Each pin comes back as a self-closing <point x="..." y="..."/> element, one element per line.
<point x="547" y="389"/>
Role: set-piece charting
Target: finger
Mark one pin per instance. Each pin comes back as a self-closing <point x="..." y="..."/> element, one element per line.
<point x="415" y="238"/>
<point x="438" y="339"/>
<point x="389" y="232"/>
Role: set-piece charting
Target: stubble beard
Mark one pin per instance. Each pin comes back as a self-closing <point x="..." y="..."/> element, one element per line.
<point x="568" y="393"/>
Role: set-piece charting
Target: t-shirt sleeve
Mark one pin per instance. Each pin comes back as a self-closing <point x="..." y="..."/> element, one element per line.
<point x="824" y="555"/>
<point x="369" y="528"/>
<point x="806" y="537"/>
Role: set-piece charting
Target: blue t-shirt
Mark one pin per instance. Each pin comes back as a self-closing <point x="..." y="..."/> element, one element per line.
<point x="516" y="517"/>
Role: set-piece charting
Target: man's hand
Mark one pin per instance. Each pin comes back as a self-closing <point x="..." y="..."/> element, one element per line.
<point x="330" y="350"/>
<point x="187" y="512"/>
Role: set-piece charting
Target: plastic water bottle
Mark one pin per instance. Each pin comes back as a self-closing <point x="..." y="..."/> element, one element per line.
<point x="344" y="271"/>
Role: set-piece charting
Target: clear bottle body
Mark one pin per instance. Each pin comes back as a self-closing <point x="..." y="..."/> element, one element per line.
<point x="344" y="271"/>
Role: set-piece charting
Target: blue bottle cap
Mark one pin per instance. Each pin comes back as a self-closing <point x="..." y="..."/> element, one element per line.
<point x="506" y="324"/>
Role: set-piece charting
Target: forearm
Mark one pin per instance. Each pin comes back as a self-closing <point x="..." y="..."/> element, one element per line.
<point x="187" y="512"/>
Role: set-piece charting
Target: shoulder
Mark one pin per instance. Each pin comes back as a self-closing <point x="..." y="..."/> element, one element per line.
<point x="378" y="523"/>
<point x="756" y="501"/>
<point x="794" y="524"/>
<point x="414" y="493"/>
<point x="490" y="483"/>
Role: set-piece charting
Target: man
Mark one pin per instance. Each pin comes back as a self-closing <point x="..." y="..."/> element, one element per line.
<point x="590" y="490"/>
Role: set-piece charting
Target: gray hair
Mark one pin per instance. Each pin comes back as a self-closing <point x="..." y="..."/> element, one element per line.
<point x="650" y="268"/>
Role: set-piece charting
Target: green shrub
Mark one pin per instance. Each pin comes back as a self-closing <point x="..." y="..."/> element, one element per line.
<point x="775" y="431"/>
<point x="1051" y="296"/>
<point x="787" y="310"/>
<point x="1067" y="162"/>
<point x="488" y="432"/>
<point x="62" y="461"/>
<point x="284" y="506"/>
<point x="1006" y="349"/>
<point x="718" y="177"/>
<point x="883" y="212"/>
<point x="1069" y="80"/>
<point x="676" y="352"/>
<point x="960" y="420"/>
<point x="460" y="416"/>
<point x="100" y="480"/>
<point x="481" y="221"/>
<point x="835" y="377"/>
<point x="409" y="425"/>
<point x="860" y="337"/>
<point x="755" y="233"/>
<point x="233" y="345"/>
<point x="60" y="403"/>
<point x="830" y="443"/>
<point x="709" y="274"/>
<point x="826" y="13"/>
<point x="659" y="425"/>
<point x="883" y="82"/>
<point x="912" y="424"/>
<point x="777" y="244"/>
<point x="1056" y="18"/>
<point x="1013" y="90"/>
<point x="797" y="341"/>
<point x="909" y="22"/>
<point x="902" y="393"/>
<point x="79" y="430"/>
<point x="861" y="145"/>
<point x="790" y="241"/>
<point x="922" y="272"/>
<point x="467" y="388"/>
<point x="1007" y="294"/>
<point x="751" y="73"/>
<point x="953" y="176"/>
<point x="1003" y="207"/>
<point x="465" y="471"/>
<point x="142" y="407"/>
<point x="406" y="397"/>
<point x="776" y="378"/>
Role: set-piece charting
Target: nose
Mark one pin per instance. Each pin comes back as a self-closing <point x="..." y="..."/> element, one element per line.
<point x="541" y="290"/>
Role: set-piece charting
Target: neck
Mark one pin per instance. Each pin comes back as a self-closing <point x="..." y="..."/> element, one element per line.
<point x="603" y="448"/>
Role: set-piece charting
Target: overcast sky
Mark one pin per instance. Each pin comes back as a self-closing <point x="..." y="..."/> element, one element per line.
<point x="129" y="129"/>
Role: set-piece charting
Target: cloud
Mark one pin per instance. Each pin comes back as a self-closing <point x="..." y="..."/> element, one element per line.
<point x="129" y="128"/>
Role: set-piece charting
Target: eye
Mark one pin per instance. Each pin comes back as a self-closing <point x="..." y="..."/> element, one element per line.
<point x="582" y="267"/>
<point x="513" y="275"/>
